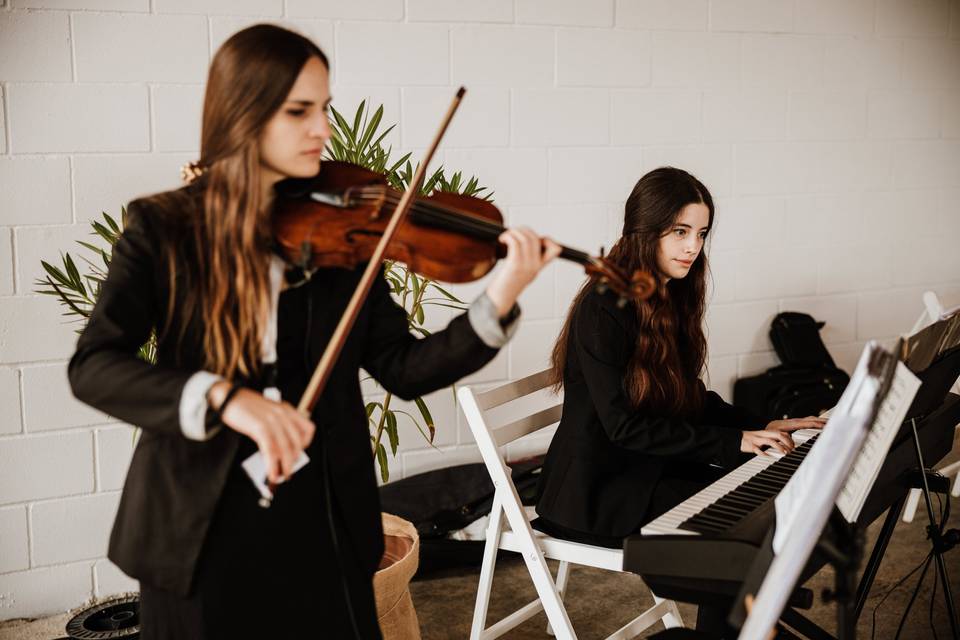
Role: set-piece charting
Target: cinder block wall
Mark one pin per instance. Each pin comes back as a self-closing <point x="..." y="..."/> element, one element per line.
<point x="828" y="131"/>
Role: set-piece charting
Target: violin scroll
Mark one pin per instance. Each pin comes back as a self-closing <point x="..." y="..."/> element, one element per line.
<point x="638" y="286"/>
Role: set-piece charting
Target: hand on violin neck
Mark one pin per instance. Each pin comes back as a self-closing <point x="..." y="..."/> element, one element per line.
<point x="527" y="254"/>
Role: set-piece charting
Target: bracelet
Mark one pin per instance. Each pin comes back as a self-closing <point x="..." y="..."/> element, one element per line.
<point x="227" y="398"/>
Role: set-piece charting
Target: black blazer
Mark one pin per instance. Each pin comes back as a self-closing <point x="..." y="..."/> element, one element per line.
<point x="606" y="458"/>
<point x="173" y="483"/>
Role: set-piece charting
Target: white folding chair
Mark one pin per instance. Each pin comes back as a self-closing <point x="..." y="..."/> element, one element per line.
<point x="931" y="313"/>
<point x="534" y="546"/>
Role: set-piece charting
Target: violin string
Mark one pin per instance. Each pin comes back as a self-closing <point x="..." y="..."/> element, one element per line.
<point x="465" y="220"/>
<point x="443" y="217"/>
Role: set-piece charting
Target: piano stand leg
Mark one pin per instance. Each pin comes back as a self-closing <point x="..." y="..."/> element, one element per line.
<point x="844" y="552"/>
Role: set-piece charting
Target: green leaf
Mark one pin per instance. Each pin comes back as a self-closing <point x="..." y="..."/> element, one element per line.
<point x="383" y="463"/>
<point x="425" y="412"/>
<point x="446" y="293"/>
<point x="391" y="429"/>
<point x="111" y="222"/>
<point x="371" y="406"/>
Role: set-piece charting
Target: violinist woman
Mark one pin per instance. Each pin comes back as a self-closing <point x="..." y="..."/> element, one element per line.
<point x="639" y="429"/>
<point x="236" y="343"/>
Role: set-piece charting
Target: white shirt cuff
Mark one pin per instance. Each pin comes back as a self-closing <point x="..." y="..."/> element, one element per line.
<point x="485" y="320"/>
<point x="193" y="405"/>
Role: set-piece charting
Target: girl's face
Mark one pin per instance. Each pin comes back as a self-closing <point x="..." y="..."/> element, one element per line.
<point x="680" y="246"/>
<point x="294" y="137"/>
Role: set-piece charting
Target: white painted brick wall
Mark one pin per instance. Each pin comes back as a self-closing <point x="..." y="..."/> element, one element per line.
<point x="48" y="589"/>
<point x="13" y="532"/>
<point x="72" y="529"/>
<point x="502" y="56"/>
<point x="663" y="14"/>
<point x="23" y="202"/>
<point x="483" y="119"/>
<point x="917" y="18"/>
<point x="597" y="13"/>
<point x="655" y="116"/>
<point x="51" y="118"/>
<point x="851" y="17"/>
<point x="136" y="48"/>
<point x="114" y="448"/>
<point x="752" y="15"/>
<point x="827" y="130"/>
<point x="459" y="11"/>
<point x="108" y="580"/>
<point x="109" y="182"/>
<point x="6" y="262"/>
<point x="592" y="58"/>
<point x="418" y="54"/>
<point x="21" y="59"/>
<point x="49" y="404"/>
<point x="177" y="113"/>
<point x="10" y="419"/>
<point x="537" y="115"/>
<point x="46" y="466"/>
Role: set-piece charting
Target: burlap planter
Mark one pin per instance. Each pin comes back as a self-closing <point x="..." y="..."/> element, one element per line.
<point x="395" y="612"/>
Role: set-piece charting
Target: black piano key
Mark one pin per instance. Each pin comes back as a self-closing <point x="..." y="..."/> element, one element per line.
<point x="724" y="511"/>
<point x="701" y="528"/>
<point x="746" y="498"/>
<point x="707" y="521"/>
<point x="734" y="504"/>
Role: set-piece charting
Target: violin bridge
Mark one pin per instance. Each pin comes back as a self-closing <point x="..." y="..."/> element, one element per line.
<point x="332" y="199"/>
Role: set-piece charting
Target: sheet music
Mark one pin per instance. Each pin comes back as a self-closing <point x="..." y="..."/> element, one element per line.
<point x="843" y="428"/>
<point x="874" y="451"/>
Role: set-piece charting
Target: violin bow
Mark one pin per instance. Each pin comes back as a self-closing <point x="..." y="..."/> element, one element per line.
<point x="322" y="373"/>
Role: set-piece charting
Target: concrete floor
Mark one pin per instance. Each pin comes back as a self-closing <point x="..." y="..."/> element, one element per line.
<point x="599" y="602"/>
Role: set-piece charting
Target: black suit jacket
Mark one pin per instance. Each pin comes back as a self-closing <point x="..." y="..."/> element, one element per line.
<point x="606" y="458"/>
<point x="173" y="483"/>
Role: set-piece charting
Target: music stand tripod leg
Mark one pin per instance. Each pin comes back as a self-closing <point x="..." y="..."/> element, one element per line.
<point x="933" y="530"/>
<point x="876" y="556"/>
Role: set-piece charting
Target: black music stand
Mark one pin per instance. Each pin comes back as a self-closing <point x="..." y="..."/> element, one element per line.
<point x="937" y="380"/>
<point x="844" y="546"/>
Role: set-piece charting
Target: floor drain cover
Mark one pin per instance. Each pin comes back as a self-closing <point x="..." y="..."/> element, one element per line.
<point x="117" y="618"/>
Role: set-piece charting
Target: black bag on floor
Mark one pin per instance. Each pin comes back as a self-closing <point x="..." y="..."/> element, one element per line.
<point x="807" y="383"/>
<point x="444" y="500"/>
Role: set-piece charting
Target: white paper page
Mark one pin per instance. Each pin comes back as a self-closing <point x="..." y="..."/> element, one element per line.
<point x="875" y="448"/>
<point x="855" y="403"/>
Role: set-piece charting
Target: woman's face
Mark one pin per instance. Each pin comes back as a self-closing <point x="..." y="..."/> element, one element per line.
<point x="680" y="246"/>
<point x="294" y="137"/>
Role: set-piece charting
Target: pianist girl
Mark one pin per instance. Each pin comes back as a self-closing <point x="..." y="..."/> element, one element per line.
<point x="640" y="433"/>
<point x="237" y="342"/>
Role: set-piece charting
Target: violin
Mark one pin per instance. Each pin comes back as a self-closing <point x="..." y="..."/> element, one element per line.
<point x="337" y="219"/>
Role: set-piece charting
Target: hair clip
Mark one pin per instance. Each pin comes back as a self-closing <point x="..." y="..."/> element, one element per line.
<point x="191" y="171"/>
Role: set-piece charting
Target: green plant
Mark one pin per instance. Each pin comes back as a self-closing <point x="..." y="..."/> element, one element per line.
<point x="359" y="141"/>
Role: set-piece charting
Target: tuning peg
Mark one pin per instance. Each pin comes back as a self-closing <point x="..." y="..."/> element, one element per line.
<point x="621" y="302"/>
<point x="602" y="287"/>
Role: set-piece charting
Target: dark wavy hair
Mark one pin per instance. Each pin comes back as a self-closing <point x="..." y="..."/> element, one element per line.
<point x="671" y="349"/>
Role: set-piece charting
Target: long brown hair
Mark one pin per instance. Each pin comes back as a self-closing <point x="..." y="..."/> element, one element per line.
<point x="670" y="349"/>
<point x="249" y="79"/>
